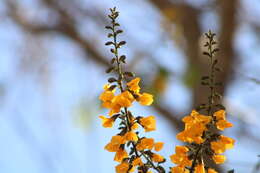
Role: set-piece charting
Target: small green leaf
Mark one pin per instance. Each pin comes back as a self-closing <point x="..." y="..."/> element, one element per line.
<point x="109" y="27"/>
<point x="119" y="31"/>
<point x="109" y="43"/>
<point x="129" y="74"/>
<point x="121" y="43"/>
<point x="109" y="35"/>
<point x="112" y="87"/>
<point x="113" y="60"/>
<point x="111" y="80"/>
<point x="112" y="50"/>
<point x="122" y="58"/>
<point x="110" y="69"/>
<point x="207" y="54"/>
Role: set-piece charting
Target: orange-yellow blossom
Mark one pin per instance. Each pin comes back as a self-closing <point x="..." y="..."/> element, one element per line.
<point x="137" y="161"/>
<point x="122" y="167"/>
<point x="131" y="136"/>
<point x="148" y="123"/>
<point x="192" y="134"/>
<point x="222" y="123"/>
<point x="145" y="99"/>
<point x="107" y="122"/>
<point x="158" y="146"/>
<point x="219" y="159"/>
<point x="222" y="144"/>
<point x="195" y="125"/>
<point x="146" y="143"/>
<point x="181" y="157"/>
<point x="199" y="168"/>
<point x="134" y="85"/>
<point x="120" y="155"/>
<point x="107" y="96"/>
<point x="157" y="158"/>
<point x="124" y="99"/>
<point x="114" y="144"/>
<point x="179" y="169"/>
<point x="134" y="126"/>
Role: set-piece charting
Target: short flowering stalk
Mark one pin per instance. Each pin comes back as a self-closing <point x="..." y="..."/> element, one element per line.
<point x="131" y="150"/>
<point x="202" y="132"/>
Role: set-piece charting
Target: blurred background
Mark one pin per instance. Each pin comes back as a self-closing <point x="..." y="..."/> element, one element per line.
<point x="52" y="70"/>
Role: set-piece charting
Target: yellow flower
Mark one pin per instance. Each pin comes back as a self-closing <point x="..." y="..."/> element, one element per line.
<point x="134" y="126"/>
<point x="222" y="124"/>
<point x="158" y="146"/>
<point x="134" y="85"/>
<point x="111" y="147"/>
<point x="222" y="144"/>
<point x="195" y="125"/>
<point x="122" y="167"/>
<point x="218" y="147"/>
<point x="146" y="143"/>
<point x="115" y="143"/>
<point x="123" y="100"/>
<point x="210" y="170"/>
<point x="181" y="150"/>
<point x="115" y="108"/>
<point x="137" y="161"/>
<point x="179" y="169"/>
<point x="120" y="155"/>
<point x="228" y="142"/>
<point x="199" y="168"/>
<point x="107" y="97"/>
<point x="131" y="136"/>
<point x="220" y="115"/>
<point x="181" y="158"/>
<point x="145" y="99"/>
<point x="148" y="123"/>
<point x="219" y="159"/>
<point x="157" y="158"/>
<point x="192" y="133"/>
<point x="107" y="122"/>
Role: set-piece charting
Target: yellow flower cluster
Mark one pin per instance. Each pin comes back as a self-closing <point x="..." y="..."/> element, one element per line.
<point x="197" y="133"/>
<point x="126" y="98"/>
<point x="195" y="125"/>
<point x="127" y="136"/>
<point x="180" y="159"/>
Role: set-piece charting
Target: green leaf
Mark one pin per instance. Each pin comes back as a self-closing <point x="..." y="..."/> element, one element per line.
<point x="207" y="54"/>
<point x="110" y="69"/>
<point x="119" y="31"/>
<point x="129" y="74"/>
<point x="122" y="58"/>
<point x="111" y="80"/>
<point x="121" y="43"/>
<point x="112" y="87"/>
<point x="109" y="27"/>
<point x="113" y="60"/>
<point x="109" y="43"/>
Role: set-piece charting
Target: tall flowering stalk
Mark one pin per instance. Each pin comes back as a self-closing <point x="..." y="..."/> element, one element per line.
<point x="131" y="150"/>
<point x="202" y="133"/>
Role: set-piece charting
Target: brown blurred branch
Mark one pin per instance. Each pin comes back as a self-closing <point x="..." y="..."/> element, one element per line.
<point x="63" y="27"/>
